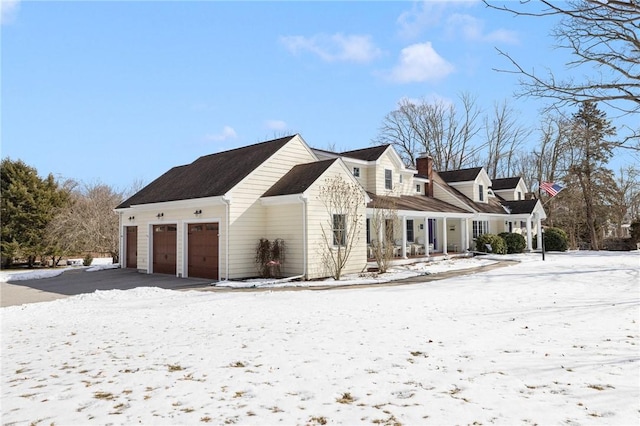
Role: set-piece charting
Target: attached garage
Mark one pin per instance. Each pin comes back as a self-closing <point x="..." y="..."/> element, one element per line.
<point x="202" y="250"/>
<point x="132" y="247"/>
<point x="164" y="249"/>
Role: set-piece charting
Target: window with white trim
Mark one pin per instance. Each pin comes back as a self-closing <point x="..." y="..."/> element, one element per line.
<point x="480" y="227"/>
<point x="410" y="230"/>
<point x="418" y="188"/>
<point x="356" y="171"/>
<point x="481" y="192"/>
<point x="339" y="230"/>
<point x="388" y="179"/>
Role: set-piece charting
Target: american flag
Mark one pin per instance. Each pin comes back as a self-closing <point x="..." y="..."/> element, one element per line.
<point x="551" y="188"/>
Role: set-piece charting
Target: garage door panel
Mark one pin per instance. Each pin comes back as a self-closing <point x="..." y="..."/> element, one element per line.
<point x="132" y="247"/>
<point x="203" y="250"/>
<point x="164" y="249"/>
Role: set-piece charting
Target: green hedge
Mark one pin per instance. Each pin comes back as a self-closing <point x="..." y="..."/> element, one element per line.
<point x="516" y="243"/>
<point x="496" y="242"/>
<point x="555" y="239"/>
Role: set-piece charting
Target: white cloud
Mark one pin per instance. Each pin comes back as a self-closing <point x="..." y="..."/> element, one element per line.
<point x="8" y="10"/>
<point x="227" y="133"/>
<point x="334" y="48"/>
<point x="275" y="124"/>
<point x="471" y="28"/>
<point x="421" y="16"/>
<point x="420" y="62"/>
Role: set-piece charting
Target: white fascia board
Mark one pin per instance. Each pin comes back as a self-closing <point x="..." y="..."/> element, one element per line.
<point x="504" y="215"/>
<point x="394" y="157"/>
<point x="278" y="200"/>
<point x="306" y="145"/>
<point x="357" y="161"/>
<point x="539" y="208"/>
<point x="190" y="203"/>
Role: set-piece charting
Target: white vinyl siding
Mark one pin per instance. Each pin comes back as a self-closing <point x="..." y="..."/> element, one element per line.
<point x="318" y="219"/>
<point x="286" y="222"/>
<point x="248" y="216"/>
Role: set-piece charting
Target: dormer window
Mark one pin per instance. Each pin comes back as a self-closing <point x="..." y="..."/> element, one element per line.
<point x="388" y="179"/>
<point x="481" y="192"/>
<point x="356" y="171"/>
<point x="418" y="188"/>
<point x="519" y="195"/>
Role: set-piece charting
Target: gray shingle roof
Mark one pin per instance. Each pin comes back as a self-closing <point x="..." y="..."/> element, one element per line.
<point x="491" y="206"/>
<point x="462" y="175"/>
<point x="505" y="183"/>
<point x="416" y="202"/>
<point x="208" y="176"/>
<point x="520" y="206"/>
<point x="366" y="154"/>
<point x="299" y="178"/>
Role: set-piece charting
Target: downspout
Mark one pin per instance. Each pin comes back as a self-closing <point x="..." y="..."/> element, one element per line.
<point x="303" y="199"/>
<point x="227" y="203"/>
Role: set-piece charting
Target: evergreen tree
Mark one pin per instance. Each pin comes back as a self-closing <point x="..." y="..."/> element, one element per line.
<point x="28" y="205"/>
<point x="590" y="152"/>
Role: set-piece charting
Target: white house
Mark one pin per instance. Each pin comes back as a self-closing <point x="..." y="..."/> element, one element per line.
<point x="205" y="219"/>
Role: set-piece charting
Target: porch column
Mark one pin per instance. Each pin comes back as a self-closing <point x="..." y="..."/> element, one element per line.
<point x="404" y="237"/>
<point x="539" y="231"/>
<point x="444" y="235"/>
<point x="426" y="236"/>
<point x="464" y="238"/>
<point x="529" y="243"/>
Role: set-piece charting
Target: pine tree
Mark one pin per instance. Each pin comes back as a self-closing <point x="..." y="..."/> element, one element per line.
<point x="28" y="205"/>
<point x="590" y="152"/>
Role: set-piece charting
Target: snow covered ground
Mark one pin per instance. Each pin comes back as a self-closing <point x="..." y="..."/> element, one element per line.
<point x="36" y="274"/>
<point x="535" y="343"/>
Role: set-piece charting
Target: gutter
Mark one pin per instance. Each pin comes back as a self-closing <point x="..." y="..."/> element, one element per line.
<point x="227" y="201"/>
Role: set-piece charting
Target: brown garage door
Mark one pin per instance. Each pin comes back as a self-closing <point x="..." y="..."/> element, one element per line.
<point x="132" y="247"/>
<point x="203" y="250"/>
<point x="164" y="249"/>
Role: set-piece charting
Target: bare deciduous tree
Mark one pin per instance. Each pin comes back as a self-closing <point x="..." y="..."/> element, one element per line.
<point x="435" y="128"/>
<point x="344" y="203"/>
<point x="602" y="34"/>
<point x="89" y="224"/>
<point x="625" y="198"/>
<point x="384" y="213"/>
<point x="504" y="136"/>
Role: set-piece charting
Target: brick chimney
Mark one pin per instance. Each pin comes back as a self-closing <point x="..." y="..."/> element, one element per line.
<point x="424" y="164"/>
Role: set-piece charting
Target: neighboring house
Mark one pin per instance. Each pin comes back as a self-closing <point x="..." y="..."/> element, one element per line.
<point x="205" y="219"/>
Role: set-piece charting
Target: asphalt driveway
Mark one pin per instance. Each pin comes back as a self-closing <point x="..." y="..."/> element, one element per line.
<point x="78" y="281"/>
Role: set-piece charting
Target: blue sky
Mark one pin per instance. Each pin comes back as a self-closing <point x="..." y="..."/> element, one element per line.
<point x="120" y="91"/>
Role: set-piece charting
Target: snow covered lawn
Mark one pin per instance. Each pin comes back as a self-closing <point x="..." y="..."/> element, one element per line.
<point x="539" y="342"/>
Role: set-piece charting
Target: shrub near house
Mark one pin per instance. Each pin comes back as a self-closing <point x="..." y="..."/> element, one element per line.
<point x="516" y="243"/>
<point x="491" y="243"/>
<point x="555" y="239"/>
